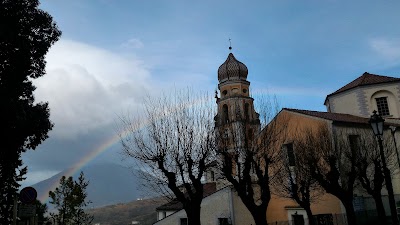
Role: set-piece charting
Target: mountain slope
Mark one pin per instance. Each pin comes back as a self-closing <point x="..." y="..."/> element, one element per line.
<point x="108" y="184"/>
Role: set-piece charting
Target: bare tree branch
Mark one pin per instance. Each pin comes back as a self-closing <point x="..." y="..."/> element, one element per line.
<point x="251" y="156"/>
<point x="174" y="142"/>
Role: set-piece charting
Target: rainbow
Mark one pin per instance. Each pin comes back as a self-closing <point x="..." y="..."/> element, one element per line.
<point x="83" y="161"/>
<point x="44" y="197"/>
<point x="113" y="141"/>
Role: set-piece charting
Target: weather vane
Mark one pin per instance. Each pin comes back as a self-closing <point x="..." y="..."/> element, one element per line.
<point x="230" y="44"/>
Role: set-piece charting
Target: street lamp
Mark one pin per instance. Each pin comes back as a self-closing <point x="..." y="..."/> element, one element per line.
<point x="376" y="122"/>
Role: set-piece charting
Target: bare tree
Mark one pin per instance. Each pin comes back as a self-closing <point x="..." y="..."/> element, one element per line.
<point x="174" y="142"/>
<point x="341" y="158"/>
<point x="251" y="157"/>
<point x="333" y="164"/>
<point x="370" y="171"/>
<point x="295" y="179"/>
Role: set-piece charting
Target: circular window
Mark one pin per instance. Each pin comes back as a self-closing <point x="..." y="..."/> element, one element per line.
<point x="225" y="92"/>
<point x="244" y="90"/>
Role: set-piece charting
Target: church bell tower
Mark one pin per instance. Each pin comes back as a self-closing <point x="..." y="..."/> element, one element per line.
<point x="236" y="119"/>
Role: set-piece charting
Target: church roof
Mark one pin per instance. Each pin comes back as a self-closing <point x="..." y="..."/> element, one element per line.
<point x="336" y="117"/>
<point x="208" y="189"/>
<point x="365" y="79"/>
<point x="340" y="117"/>
<point x="232" y="69"/>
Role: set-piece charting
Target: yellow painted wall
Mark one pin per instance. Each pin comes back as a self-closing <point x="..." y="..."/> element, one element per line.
<point x="278" y="207"/>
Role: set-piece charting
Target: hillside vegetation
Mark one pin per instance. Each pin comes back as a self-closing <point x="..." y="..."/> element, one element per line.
<point x="142" y="211"/>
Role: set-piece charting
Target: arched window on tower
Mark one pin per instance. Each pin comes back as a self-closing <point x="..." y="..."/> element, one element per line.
<point x="225" y="114"/>
<point x="246" y="111"/>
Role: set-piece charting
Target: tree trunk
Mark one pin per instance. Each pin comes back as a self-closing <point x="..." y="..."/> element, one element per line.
<point x="311" y="220"/>
<point x="193" y="214"/>
<point x="260" y="217"/>
<point x="260" y="221"/>
<point x="380" y="209"/>
<point x="307" y="207"/>
<point x="350" y="213"/>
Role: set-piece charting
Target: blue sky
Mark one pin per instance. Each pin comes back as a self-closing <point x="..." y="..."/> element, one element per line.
<point x="112" y="52"/>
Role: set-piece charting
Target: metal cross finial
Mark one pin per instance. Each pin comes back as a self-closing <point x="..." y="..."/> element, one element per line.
<point x="230" y="44"/>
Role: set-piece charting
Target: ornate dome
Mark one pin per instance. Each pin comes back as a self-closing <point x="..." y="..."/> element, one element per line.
<point x="232" y="69"/>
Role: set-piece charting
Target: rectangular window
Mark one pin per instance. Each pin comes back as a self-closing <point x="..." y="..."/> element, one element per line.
<point x="223" y="221"/>
<point x="382" y="105"/>
<point x="354" y="143"/>
<point x="184" y="221"/>
<point x="290" y="154"/>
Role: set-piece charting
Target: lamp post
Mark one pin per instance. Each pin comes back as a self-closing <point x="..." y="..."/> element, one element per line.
<point x="376" y="122"/>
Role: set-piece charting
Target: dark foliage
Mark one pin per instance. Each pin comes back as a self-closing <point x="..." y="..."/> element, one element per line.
<point x="70" y="201"/>
<point x="27" y="33"/>
<point x="41" y="210"/>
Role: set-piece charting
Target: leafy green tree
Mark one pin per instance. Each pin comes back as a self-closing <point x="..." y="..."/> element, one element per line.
<point x="27" y="33"/>
<point x="70" y="200"/>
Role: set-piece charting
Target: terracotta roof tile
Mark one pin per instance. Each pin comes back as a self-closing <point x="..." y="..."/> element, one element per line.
<point x="366" y="79"/>
<point x="341" y="117"/>
<point x="208" y="189"/>
<point x="336" y="117"/>
<point x="172" y="205"/>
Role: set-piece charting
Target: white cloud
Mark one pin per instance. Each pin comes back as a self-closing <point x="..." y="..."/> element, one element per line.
<point x="386" y="50"/>
<point x="133" y="43"/>
<point x="86" y="86"/>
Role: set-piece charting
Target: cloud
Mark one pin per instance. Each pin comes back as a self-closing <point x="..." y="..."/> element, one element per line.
<point x="386" y="50"/>
<point x="132" y="43"/>
<point x="87" y="86"/>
